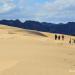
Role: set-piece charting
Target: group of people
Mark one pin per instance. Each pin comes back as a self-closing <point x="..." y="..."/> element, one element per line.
<point x="58" y="37"/>
<point x="62" y="37"/>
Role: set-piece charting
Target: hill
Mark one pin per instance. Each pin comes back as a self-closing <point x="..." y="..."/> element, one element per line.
<point x="68" y="28"/>
<point x="26" y="52"/>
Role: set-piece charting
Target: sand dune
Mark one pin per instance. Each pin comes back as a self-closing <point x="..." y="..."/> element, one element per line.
<point x="26" y="52"/>
<point x="13" y="30"/>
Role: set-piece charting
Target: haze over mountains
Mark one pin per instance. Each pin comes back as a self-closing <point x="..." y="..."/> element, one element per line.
<point x="68" y="28"/>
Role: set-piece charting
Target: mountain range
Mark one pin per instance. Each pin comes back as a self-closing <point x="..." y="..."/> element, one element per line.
<point x="68" y="28"/>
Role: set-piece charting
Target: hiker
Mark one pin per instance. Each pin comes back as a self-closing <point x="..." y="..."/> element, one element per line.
<point x="55" y="37"/>
<point x="59" y="37"/>
<point x="70" y="41"/>
<point x="73" y="41"/>
<point x="62" y="37"/>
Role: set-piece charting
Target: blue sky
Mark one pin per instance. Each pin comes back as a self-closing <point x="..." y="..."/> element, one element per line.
<point x="39" y="10"/>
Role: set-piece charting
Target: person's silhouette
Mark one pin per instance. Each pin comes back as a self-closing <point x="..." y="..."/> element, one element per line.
<point x="55" y="37"/>
<point x="70" y="41"/>
<point x="74" y="40"/>
<point x="62" y="37"/>
<point x="59" y="37"/>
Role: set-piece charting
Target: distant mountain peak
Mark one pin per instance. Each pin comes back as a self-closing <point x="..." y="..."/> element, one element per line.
<point x="68" y="28"/>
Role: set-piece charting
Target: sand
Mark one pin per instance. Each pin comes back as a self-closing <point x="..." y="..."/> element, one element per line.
<point x="27" y="52"/>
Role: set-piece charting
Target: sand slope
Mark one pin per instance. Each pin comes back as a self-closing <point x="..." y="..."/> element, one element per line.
<point x="25" y="52"/>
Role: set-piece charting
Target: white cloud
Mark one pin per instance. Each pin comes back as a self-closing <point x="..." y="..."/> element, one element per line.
<point x="58" y="4"/>
<point x="49" y="10"/>
<point x="58" y="9"/>
<point x="6" y="6"/>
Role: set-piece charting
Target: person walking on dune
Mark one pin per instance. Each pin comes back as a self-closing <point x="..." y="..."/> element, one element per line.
<point x="59" y="37"/>
<point x="55" y="37"/>
<point x="74" y="41"/>
<point x="62" y="37"/>
<point x="70" y="41"/>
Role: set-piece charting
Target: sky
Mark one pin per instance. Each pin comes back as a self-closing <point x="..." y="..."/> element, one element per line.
<point x="55" y="11"/>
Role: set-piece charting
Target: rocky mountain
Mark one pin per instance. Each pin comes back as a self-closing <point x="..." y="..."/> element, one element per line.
<point x="68" y="28"/>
